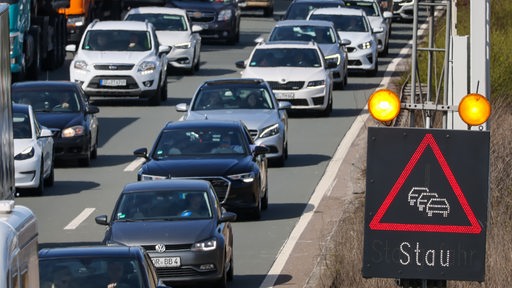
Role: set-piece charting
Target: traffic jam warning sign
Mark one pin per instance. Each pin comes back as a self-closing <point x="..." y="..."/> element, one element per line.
<point x="426" y="204"/>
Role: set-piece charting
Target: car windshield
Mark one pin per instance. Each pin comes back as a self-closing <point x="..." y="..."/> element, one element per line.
<point x="319" y="34"/>
<point x="89" y="271"/>
<point x="21" y="126"/>
<point x="232" y="97"/>
<point x="300" y="11"/>
<point x="198" y="141"/>
<point x="48" y="100"/>
<point x="163" y="205"/>
<point x="345" y="23"/>
<point x="117" y="40"/>
<point x="162" y="22"/>
<point x="285" y="57"/>
<point x="370" y="8"/>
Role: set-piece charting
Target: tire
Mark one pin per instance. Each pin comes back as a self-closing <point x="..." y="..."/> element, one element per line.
<point x="85" y="161"/>
<point x="339" y="85"/>
<point x="50" y="180"/>
<point x="39" y="190"/>
<point x="223" y="281"/>
<point x="231" y="271"/>
<point x="164" y="96"/>
<point x="256" y="212"/>
<point x="328" y="109"/>
<point x="155" y="99"/>
<point x="94" y="151"/>
<point x="264" y="201"/>
<point x="193" y="69"/>
<point x="34" y="69"/>
<point x="197" y="67"/>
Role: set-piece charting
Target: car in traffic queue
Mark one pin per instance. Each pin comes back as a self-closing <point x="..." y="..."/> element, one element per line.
<point x="325" y="35"/>
<point x="299" y="9"/>
<point x="33" y="150"/>
<point x="97" y="266"/>
<point x="63" y="107"/>
<point x="266" y="5"/>
<point x="296" y="71"/>
<point x="353" y="24"/>
<point x="379" y="20"/>
<point x="219" y="151"/>
<point x="219" y="19"/>
<point x="403" y="10"/>
<point x="251" y="101"/>
<point x="174" y="29"/>
<point x="120" y="59"/>
<point x="182" y="226"/>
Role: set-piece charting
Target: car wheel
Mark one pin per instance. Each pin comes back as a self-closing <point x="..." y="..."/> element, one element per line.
<point x="163" y="97"/>
<point x="231" y="271"/>
<point x="256" y="212"/>
<point x="264" y="201"/>
<point x="328" y="109"/>
<point x="86" y="160"/>
<point x="155" y="99"/>
<point x="223" y="281"/>
<point x="339" y="85"/>
<point x="39" y="190"/>
<point x="51" y="178"/>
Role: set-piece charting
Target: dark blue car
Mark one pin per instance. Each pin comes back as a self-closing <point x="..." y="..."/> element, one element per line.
<point x="63" y="107"/>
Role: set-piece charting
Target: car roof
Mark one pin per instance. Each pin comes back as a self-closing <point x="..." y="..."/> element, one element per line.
<point x="20" y="108"/>
<point x="120" y="25"/>
<point x="288" y="44"/>
<point x="338" y="11"/>
<point x="166" y="185"/>
<point x="91" y="251"/>
<point x="48" y="84"/>
<point x="238" y="81"/>
<point x="303" y="23"/>
<point x="203" y="124"/>
<point x="157" y="10"/>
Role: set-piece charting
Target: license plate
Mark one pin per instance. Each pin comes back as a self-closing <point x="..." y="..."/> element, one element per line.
<point x="285" y="95"/>
<point x="166" y="261"/>
<point x="113" y="82"/>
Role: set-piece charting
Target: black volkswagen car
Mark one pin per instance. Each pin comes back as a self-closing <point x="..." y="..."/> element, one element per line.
<point x="181" y="224"/>
<point x="220" y="19"/>
<point x="219" y="151"/>
<point x="63" y="107"/>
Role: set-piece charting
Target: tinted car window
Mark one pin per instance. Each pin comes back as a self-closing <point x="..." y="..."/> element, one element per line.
<point x="370" y="8"/>
<point x="162" y="21"/>
<point x="234" y="97"/>
<point x="287" y="57"/>
<point x="348" y="23"/>
<point x="49" y="100"/>
<point x="301" y="10"/>
<point x="117" y="40"/>
<point x="322" y="35"/>
<point x="21" y="126"/>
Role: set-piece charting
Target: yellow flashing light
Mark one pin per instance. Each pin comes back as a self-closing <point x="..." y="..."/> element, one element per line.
<point x="384" y="105"/>
<point x="474" y="109"/>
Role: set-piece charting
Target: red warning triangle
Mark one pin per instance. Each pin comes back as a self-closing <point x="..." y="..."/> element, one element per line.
<point x="376" y="223"/>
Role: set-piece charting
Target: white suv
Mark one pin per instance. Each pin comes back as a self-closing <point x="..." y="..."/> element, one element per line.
<point x="121" y="58"/>
<point x="296" y="71"/>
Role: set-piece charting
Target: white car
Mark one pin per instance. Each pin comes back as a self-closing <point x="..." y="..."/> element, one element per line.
<point x="174" y="29"/>
<point x="353" y="24"/>
<point x="403" y="10"/>
<point x="33" y="150"/>
<point x="325" y="35"/>
<point x="379" y="20"/>
<point x="296" y="71"/>
<point x="121" y="59"/>
<point x="249" y="100"/>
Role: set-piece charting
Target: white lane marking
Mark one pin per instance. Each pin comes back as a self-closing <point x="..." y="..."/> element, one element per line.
<point x="327" y="179"/>
<point x="134" y="164"/>
<point x="79" y="219"/>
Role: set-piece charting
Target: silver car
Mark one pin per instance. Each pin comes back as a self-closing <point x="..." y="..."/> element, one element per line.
<point x="249" y="100"/>
<point x="325" y="35"/>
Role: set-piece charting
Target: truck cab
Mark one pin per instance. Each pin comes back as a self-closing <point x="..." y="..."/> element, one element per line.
<point x="79" y="14"/>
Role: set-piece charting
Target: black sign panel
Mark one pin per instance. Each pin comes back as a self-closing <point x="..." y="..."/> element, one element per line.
<point x="426" y="204"/>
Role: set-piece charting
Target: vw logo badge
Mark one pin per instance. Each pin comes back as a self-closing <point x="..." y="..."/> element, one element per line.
<point x="160" y="248"/>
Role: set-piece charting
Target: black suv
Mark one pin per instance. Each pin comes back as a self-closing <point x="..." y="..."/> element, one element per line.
<point x="220" y="19"/>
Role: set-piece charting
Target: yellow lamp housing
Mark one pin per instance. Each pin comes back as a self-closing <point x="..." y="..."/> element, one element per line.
<point x="474" y="109"/>
<point x="384" y="105"/>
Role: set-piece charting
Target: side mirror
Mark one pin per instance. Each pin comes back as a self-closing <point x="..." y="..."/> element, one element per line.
<point x="141" y="152"/>
<point x="259" y="150"/>
<point x="93" y="109"/>
<point x="377" y="30"/>
<point x="182" y="107"/>
<point x="71" y="48"/>
<point x="240" y="64"/>
<point x="101" y="220"/>
<point x="284" y="105"/>
<point x="164" y="49"/>
<point x="196" y="28"/>
<point x="387" y="15"/>
<point x="45" y="132"/>
<point x="227" y="217"/>
<point x="345" y="42"/>
<point x="259" y="40"/>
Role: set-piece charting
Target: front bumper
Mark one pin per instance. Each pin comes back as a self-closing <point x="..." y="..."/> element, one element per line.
<point x="181" y="58"/>
<point x="312" y="98"/>
<point x="71" y="148"/>
<point x="273" y="143"/>
<point x="26" y="173"/>
<point x="361" y="59"/>
<point x="217" y="30"/>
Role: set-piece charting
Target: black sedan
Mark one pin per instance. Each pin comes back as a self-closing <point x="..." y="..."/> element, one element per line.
<point x="181" y="224"/>
<point x="63" y="107"/>
<point x="97" y="266"/>
<point x="219" y="151"/>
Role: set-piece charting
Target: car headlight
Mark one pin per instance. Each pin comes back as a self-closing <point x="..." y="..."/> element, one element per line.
<point x="78" y="130"/>
<point x="335" y="58"/>
<point x="25" y="154"/>
<point x="146" y="177"/>
<point x="185" y="45"/>
<point x="207" y="245"/>
<point x="225" y="15"/>
<point x="80" y="65"/>
<point x="316" y="83"/>
<point x="147" y="67"/>
<point x="76" y="20"/>
<point x="365" y="45"/>
<point x="270" y="131"/>
<point x="246" y="177"/>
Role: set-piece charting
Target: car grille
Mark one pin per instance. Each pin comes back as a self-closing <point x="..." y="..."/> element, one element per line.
<point x="220" y="184"/>
<point x="354" y="63"/>
<point x="351" y="49"/>
<point x="292" y="85"/>
<point x="114" y="67"/>
<point x="298" y="102"/>
<point x="198" y="16"/>
<point x="179" y="272"/>
<point x="181" y="247"/>
<point x="254" y="133"/>
<point x="130" y="82"/>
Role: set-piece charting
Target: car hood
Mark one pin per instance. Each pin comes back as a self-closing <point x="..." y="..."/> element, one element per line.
<point x="329" y="49"/>
<point x="123" y="57"/>
<point x="285" y="74"/>
<point x="168" y="232"/>
<point x="22" y="144"/>
<point x="59" y="120"/>
<point x="170" y="38"/>
<point x="253" y="119"/>
<point x="356" y="37"/>
<point x="185" y="166"/>
<point x="199" y="6"/>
